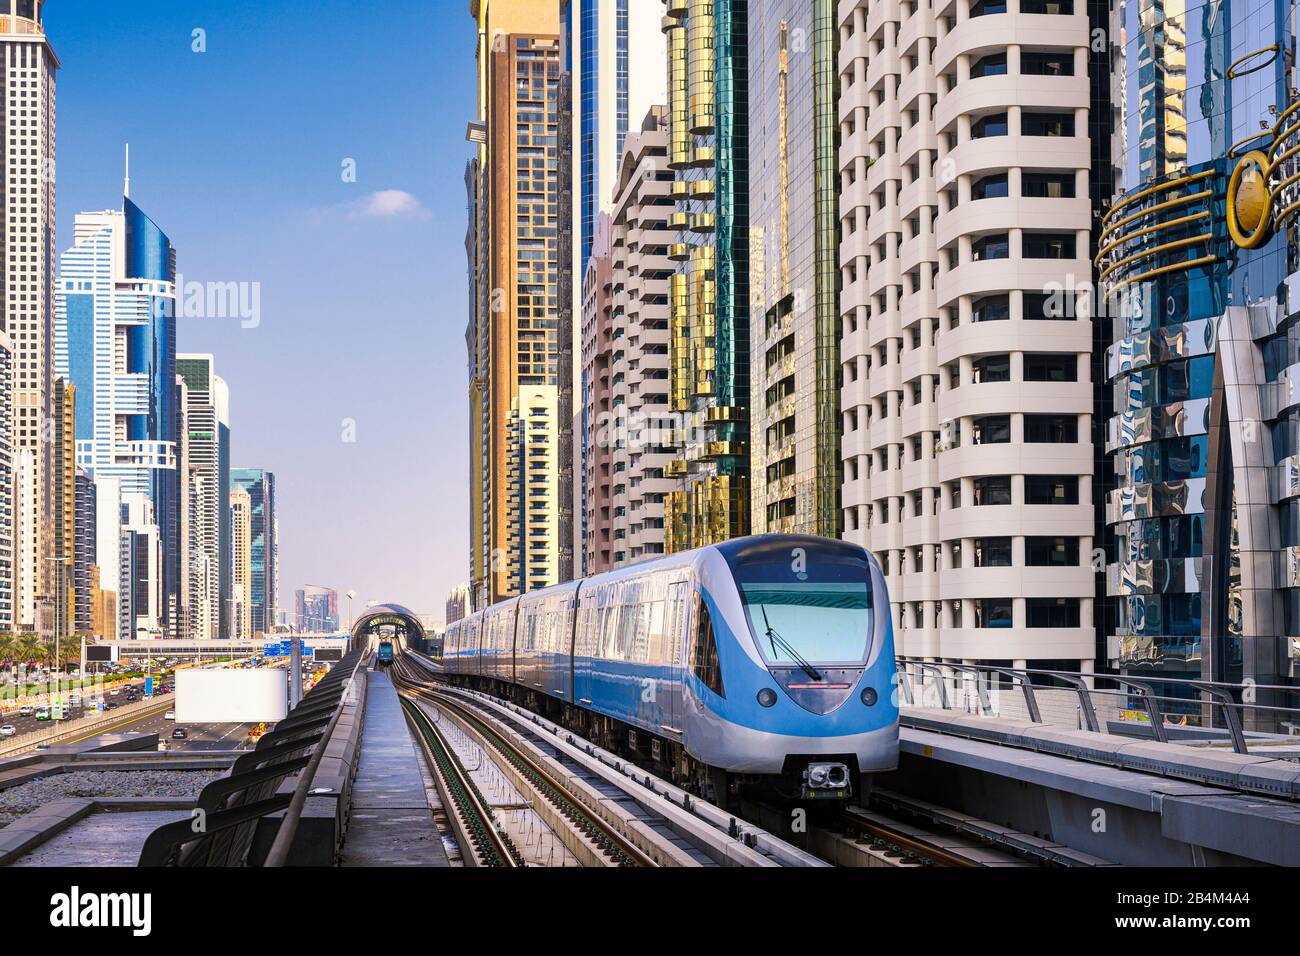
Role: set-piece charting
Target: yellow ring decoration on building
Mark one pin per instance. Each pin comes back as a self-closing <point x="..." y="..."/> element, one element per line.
<point x="1249" y="212"/>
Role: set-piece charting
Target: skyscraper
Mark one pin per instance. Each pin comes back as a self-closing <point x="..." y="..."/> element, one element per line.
<point x="967" y="398"/>
<point x="64" y="470"/>
<point x="8" y="619"/>
<point x="708" y="150"/>
<point x="625" y="355"/>
<point x="208" y="443"/>
<point x="794" y="268"/>
<point x="241" y="566"/>
<point x="513" y="335"/>
<point x="1196" y="253"/>
<point x="108" y="555"/>
<point x="263" y="547"/>
<point x="115" y="340"/>
<point x="613" y="54"/>
<point x="85" y="567"/>
<point x="317" y="610"/>
<point x="27" y="214"/>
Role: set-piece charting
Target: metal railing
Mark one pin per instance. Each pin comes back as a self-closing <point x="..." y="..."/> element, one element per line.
<point x="222" y="825"/>
<point x="1105" y="703"/>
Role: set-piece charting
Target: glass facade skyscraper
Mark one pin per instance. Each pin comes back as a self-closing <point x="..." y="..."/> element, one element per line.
<point x="708" y="150"/>
<point x="115" y="341"/>
<point x="263" y="555"/>
<point x="1196" y="259"/>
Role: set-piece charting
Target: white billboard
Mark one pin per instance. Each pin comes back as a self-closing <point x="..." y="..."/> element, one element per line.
<point x="218" y="696"/>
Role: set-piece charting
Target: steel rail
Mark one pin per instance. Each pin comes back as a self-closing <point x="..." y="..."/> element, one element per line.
<point x="487" y="844"/>
<point x="611" y="843"/>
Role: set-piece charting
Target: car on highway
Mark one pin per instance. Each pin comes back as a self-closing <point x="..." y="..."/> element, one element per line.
<point x="74" y="700"/>
<point x="7" y="730"/>
<point x="42" y="713"/>
<point x="180" y="733"/>
<point x="114" y="692"/>
<point x="170" y="715"/>
<point x="26" y="710"/>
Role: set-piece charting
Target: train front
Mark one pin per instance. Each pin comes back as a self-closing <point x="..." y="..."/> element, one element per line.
<point x="805" y="649"/>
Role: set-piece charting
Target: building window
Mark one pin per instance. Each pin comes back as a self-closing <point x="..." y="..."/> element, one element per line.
<point x="1050" y="306"/>
<point x="992" y="552"/>
<point x="982" y="8"/>
<point x="991" y="308"/>
<point x="1052" y="429"/>
<point x="1048" y="245"/>
<point x="1051" y="367"/>
<point x="990" y="247"/>
<point x="989" y="187"/>
<point x="991" y="430"/>
<point x="1047" y="185"/>
<point x="994" y="125"/>
<point x="1047" y="124"/>
<point x="1051" y="552"/>
<point x="991" y="368"/>
<point x="1051" y="489"/>
<point x="992" y="490"/>
<point x="1059" y="8"/>
<point x="1051" y="612"/>
<point x="993" y="612"/>
<point x="1058" y="63"/>
<point x="995" y="64"/>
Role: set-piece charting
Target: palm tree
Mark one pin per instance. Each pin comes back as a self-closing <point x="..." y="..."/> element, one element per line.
<point x="29" y="648"/>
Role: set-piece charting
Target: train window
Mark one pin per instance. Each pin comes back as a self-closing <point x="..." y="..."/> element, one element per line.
<point x="704" y="659"/>
<point x="817" y="610"/>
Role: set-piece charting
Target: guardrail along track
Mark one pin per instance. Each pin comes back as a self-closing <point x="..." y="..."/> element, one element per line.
<point x="476" y="825"/>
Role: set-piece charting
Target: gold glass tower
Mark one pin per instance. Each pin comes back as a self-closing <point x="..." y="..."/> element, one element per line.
<point x="709" y="292"/>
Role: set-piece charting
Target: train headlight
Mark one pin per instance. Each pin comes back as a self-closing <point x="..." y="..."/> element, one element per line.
<point x="767" y="697"/>
<point x="869" y="696"/>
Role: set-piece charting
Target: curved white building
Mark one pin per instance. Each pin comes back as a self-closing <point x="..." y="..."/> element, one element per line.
<point x="967" y="392"/>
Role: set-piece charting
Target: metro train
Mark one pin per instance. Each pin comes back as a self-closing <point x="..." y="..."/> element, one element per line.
<point x="767" y="659"/>
<point x="385" y="655"/>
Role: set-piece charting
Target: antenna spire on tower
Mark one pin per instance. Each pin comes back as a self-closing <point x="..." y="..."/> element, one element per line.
<point x="126" y="185"/>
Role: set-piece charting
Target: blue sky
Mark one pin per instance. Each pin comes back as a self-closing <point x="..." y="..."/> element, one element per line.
<point x="237" y="154"/>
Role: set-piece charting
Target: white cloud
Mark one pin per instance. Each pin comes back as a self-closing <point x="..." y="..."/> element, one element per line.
<point x="385" y="204"/>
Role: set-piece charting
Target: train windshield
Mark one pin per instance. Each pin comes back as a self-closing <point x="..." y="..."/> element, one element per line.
<point x="815" y="614"/>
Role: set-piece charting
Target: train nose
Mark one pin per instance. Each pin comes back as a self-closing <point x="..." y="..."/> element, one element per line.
<point x="819" y="694"/>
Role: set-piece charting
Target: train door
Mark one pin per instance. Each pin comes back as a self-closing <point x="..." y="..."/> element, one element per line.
<point x="676" y="614"/>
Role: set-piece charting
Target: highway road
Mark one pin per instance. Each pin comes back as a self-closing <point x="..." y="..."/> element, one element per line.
<point x="224" y="736"/>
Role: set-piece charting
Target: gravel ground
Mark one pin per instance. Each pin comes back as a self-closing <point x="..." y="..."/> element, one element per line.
<point x="26" y="797"/>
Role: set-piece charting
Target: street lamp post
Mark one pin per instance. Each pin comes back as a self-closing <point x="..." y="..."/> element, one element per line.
<point x="60" y="609"/>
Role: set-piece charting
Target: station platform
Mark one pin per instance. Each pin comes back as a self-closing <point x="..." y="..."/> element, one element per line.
<point x="391" y="820"/>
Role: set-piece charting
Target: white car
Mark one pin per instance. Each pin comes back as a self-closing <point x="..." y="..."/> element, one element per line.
<point x="170" y="715"/>
<point x="26" y="710"/>
<point x="8" y="730"/>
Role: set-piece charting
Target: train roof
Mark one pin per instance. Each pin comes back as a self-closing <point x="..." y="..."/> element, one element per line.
<point x="733" y="551"/>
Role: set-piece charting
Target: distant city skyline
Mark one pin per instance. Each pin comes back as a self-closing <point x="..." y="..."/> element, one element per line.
<point x="332" y="221"/>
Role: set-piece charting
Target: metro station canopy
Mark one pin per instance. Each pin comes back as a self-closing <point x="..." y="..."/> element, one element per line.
<point x="390" y="615"/>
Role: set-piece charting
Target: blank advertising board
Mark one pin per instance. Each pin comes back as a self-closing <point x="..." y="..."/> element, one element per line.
<point x="213" y="696"/>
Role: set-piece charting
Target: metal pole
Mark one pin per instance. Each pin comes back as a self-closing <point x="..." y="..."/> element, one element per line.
<point x="295" y="669"/>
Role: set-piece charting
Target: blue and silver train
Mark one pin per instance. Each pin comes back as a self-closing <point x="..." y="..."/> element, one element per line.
<point x="385" y="655"/>
<point x="763" y="657"/>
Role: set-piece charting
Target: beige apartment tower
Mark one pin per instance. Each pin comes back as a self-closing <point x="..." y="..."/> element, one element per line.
<point x="967" y="401"/>
<point x="625" y="335"/>
<point x="27" y="215"/>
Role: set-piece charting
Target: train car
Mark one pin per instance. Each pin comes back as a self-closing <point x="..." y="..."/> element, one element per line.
<point x="769" y="657"/>
<point x="385" y="652"/>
